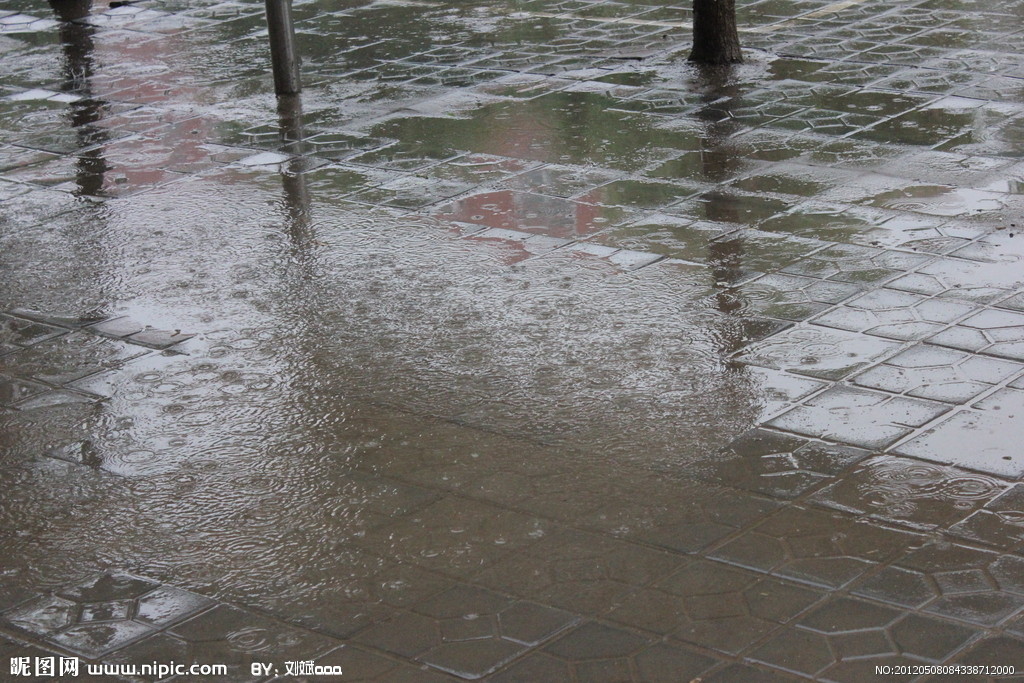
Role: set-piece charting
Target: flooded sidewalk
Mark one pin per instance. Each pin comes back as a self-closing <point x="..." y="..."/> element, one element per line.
<point x="515" y="348"/>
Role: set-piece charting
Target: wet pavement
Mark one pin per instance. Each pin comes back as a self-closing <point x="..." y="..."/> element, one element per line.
<point x="516" y="349"/>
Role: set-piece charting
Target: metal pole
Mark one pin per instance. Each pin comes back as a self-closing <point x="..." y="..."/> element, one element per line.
<point x="283" y="55"/>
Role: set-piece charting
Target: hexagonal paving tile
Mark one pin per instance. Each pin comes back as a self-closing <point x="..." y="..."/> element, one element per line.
<point x="909" y="491"/>
<point x="894" y="315"/>
<point x="790" y="297"/>
<point x="595" y="652"/>
<point x="981" y="440"/>
<point x="104" y="614"/>
<point x="856" y="264"/>
<point x="971" y="281"/>
<point x="999" y="523"/>
<point x="813" y="546"/>
<point x="953" y="581"/>
<point x="818" y="351"/>
<point x="714" y="606"/>
<point x="844" y="639"/>
<point x="469" y="632"/>
<point x="579" y="571"/>
<point x="780" y="465"/>
<point x="938" y="374"/>
<point x="992" y="332"/>
<point x="858" y="417"/>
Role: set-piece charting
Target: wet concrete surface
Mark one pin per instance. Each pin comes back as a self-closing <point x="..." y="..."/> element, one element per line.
<point x="515" y="349"/>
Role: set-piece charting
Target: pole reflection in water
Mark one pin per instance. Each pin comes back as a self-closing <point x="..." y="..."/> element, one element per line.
<point x="293" y="177"/>
<point x="78" y="65"/>
<point x="719" y="160"/>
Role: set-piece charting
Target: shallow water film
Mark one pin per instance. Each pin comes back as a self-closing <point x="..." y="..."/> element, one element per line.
<point x="514" y="348"/>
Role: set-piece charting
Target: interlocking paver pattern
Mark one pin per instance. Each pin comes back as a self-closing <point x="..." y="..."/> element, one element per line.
<point x="516" y="348"/>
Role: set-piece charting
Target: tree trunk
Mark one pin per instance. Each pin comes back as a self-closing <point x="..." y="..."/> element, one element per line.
<point x="715" y="39"/>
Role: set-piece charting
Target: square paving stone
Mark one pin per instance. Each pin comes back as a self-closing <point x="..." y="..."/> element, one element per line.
<point x="953" y="581"/>
<point x="977" y="440"/>
<point x="779" y="465"/>
<point x="818" y="351"/>
<point x="714" y="606"/>
<point x="844" y="638"/>
<point x="813" y="546"/>
<point x="938" y="374"/>
<point x="909" y="491"/>
<point x="992" y="332"/>
<point x="858" y="417"/>
<point x="894" y="315"/>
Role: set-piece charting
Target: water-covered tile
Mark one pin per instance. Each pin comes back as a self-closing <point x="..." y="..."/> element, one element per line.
<point x="482" y="534"/>
<point x="532" y="213"/>
<point x="818" y="351"/>
<point x="25" y="332"/>
<point x="893" y="314"/>
<point x="975" y="439"/>
<point x="105" y="613"/>
<point x="581" y="572"/>
<point x="909" y="491"/>
<point x="779" y="465"/>
<point x="714" y="606"/>
<point x="594" y="650"/>
<point x="813" y="546"/>
<point x="468" y="632"/>
<point x="861" y="418"/>
<point x="999" y="523"/>
<point x="957" y="582"/>
<point x="790" y="297"/>
<point x="970" y="281"/>
<point x="992" y="332"/>
<point x="860" y="265"/>
<point x="844" y="639"/>
<point x="937" y="373"/>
